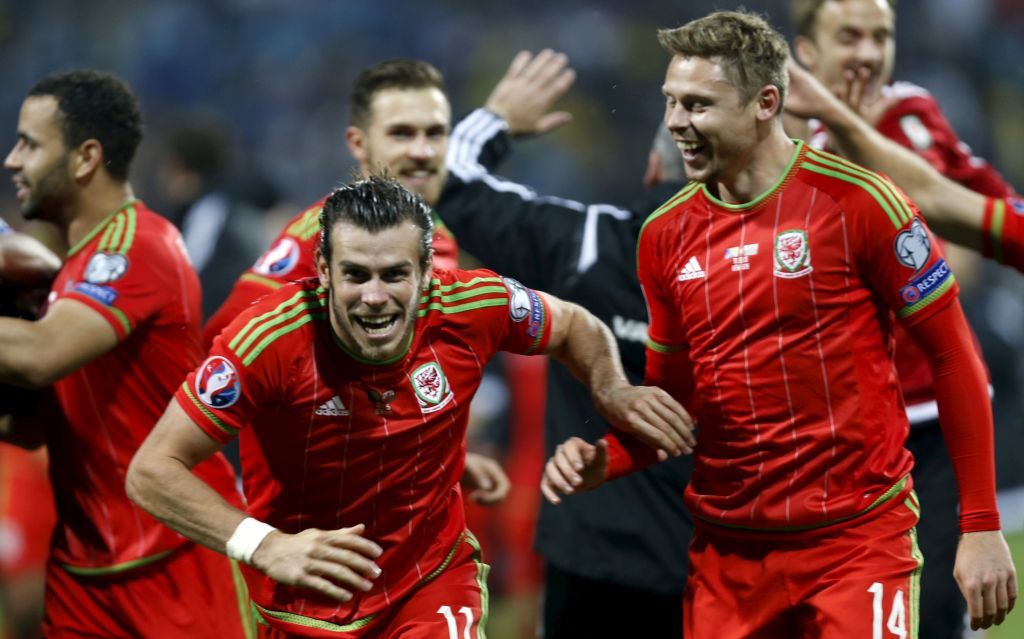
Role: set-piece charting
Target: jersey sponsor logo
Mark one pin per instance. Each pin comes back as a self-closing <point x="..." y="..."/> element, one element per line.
<point x="105" y="267"/>
<point x="629" y="330"/>
<point x="280" y="259"/>
<point x="691" y="271"/>
<point x="332" y="408"/>
<point x="1017" y="204"/>
<point x="217" y="383"/>
<point x="792" y="254"/>
<point x="431" y="387"/>
<point x="912" y="246"/>
<point x="102" y="294"/>
<point x="519" y="302"/>
<point x="740" y="256"/>
<point x="916" y="132"/>
<point x="925" y="284"/>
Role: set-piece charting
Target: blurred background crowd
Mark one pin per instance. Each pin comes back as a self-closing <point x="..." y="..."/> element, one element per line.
<point x="246" y="100"/>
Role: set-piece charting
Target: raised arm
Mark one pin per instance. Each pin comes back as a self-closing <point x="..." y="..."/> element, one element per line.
<point x="953" y="211"/>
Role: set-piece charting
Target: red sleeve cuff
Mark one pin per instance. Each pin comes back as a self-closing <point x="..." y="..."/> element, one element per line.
<point x="117" y="319"/>
<point x="626" y="455"/>
<point x="203" y="418"/>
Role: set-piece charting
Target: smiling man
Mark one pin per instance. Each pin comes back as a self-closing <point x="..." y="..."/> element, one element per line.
<point x="350" y="395"/>
<point x="773" y="281"/>
<point x="399" y="124"/>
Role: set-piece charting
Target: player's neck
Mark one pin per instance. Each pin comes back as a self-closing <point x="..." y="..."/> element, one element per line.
<point x="759" y="171"/>
<point x="94" y="204"/>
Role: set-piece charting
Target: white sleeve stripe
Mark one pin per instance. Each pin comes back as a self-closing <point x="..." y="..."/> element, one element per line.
<point x="467" y="141"/>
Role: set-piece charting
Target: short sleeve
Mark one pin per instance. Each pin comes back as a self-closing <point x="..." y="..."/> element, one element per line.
<point x="899" y="257"/>
<point x="131" y="274"/>
<point x="526" y="327"/>
<point x="665" y="333"/>
<point x="291" y="256"/>
<point x="223" y="394"/>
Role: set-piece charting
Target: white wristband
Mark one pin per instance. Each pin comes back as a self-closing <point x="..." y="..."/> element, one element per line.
<point x="247" y="538"/>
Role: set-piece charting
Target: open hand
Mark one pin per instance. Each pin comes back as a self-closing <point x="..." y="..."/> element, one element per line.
<point x="331" y="562"/>
<point x="651" y="415"/>
<point x="532" y="84"/>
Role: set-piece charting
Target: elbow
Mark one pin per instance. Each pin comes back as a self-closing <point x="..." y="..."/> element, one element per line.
<point x="139" y="480"/>
<point x="36" y="374"/>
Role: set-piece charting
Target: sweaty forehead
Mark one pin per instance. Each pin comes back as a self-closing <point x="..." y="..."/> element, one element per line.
<point x="421" y="107"/>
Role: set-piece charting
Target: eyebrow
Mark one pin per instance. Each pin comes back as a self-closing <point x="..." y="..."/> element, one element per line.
<point x="389" y="267"/>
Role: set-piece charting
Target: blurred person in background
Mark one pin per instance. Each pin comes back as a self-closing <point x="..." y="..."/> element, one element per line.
<point x="26" y="500"/>
<point x="223" y="235"/>
<point x="622" y="546"/>
<point x="119" y="332"/>
<point x="835" y="38"/>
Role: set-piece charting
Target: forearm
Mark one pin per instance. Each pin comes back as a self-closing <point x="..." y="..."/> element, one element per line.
<point x="25" y="261"/>
<point x="965" y="414"/>
<point x="167" y="489"/>
<point x="590" y="353"/>
<point x="23" y="360"/>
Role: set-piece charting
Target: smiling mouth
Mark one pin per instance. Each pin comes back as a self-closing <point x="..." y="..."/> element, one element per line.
<point x="690" y="148"/>
<point x="377" y="326"/>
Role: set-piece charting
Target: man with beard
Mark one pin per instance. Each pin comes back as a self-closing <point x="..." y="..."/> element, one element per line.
<point x="120" y="332"/>
<point x="350" y="395"/>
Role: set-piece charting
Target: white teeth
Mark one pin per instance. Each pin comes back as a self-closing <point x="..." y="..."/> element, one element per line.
<point x="377" y="324"/>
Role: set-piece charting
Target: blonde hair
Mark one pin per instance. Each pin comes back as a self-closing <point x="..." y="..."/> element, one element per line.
<point x="804" y="14"/>
<point x="751" y="52"/>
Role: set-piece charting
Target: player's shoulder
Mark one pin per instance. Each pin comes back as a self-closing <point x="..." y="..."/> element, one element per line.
<point x="276" y="321"/>
<point x="675" y="205"/>
<point x="464" y="299"/>
<point x="306" y="224"/>
<point x="911" y="104"/>
<point x="854" y="188"/>
<point x="138" y="234"/>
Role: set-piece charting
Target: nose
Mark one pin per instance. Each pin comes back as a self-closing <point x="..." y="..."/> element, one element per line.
<point x="677" y="118"/>
<point x="11" y="161"/>
<point x="374" y="293"/>
<point x="868" y="53"/>
<point x="421" y="148"/>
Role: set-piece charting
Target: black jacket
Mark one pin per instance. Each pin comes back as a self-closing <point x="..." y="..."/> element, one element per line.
<point x="633" y="531"/>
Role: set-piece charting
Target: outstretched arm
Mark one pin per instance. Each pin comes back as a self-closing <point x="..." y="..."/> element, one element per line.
<point x="160" y="480"/>
<point x="953" y="211"/>
<point x="587" y="348"/>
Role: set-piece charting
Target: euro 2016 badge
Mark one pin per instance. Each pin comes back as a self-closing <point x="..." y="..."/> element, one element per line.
<point x="217" y="383"/>
<point x="912" y="246"/>
<point x="792" y="254"/>
<point x="280" y="259"/>
<point x="431" y="387"/>
<point x="105" y="267"/>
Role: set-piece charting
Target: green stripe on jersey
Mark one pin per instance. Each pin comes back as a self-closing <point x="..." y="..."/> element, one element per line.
<point x="881" y="189"/>
<point x="103" y="226"/>
<point x="658" y="347"/>
<point x="131" y="218"/>
<point x="435" y="284"/>
<point x="206" y="412"/>
<point x="448" y="309"/>
<point x="259" y="279"/>
<point x="996" y="229"/>
<point x="482" y="570"/>
<point x="310" y="622"/>
<point x="455" y="297"/>
<point x="307" y="224"/>
<point x="769" y="192"/>
<point x="301" y="298"/>
<point x="684" y="194"/>
<point x="287" y="328"/>
<point x="922" y="303"/>
<point x="117" y="568"/>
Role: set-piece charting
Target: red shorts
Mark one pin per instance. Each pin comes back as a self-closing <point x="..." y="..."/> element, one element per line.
<point x="195" y="593"/>
<point x="453" y="605"/>
<point x="861" y="581"/>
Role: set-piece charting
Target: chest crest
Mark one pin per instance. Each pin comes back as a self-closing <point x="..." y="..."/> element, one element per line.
<point x="431" y="387"/>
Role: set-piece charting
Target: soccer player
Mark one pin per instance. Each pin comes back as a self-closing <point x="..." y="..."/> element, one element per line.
<point x="400" y="118"/>
<point x="833" y="39"/>
<point x="618" y="546"/>
<point x="991" y="226"/>
<point x="120" y="333"/>
<point x="772" y="282"/>
<point x="350" y="394"/>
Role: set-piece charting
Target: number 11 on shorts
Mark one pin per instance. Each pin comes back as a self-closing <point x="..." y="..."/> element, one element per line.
<point x="897" y="621"/>
<point x="453" y="628"/>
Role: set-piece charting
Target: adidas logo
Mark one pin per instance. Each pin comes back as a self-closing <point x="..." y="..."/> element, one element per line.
<point x="332" y="408"/>
<point x="692" y="271"/>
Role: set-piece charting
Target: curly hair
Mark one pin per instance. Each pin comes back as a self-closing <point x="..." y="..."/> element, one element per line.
<point x="752" y="53"/>
<point x="374" y="204"/>
<point x="95" y="105"/>
<point x="403" y="73"/>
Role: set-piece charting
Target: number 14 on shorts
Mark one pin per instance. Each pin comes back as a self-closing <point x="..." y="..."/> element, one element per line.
<point x="897" y="621"/>
<point x="453" y="623"/>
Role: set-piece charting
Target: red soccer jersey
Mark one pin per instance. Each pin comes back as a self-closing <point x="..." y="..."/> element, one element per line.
<point x="329" y="441"/>
<point x="916" y="122"/>
<point x="132" y="270"/>
<point x="1003" y="231"/>
<point x="291" y="257"/>
<point x="782" y="308"/>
